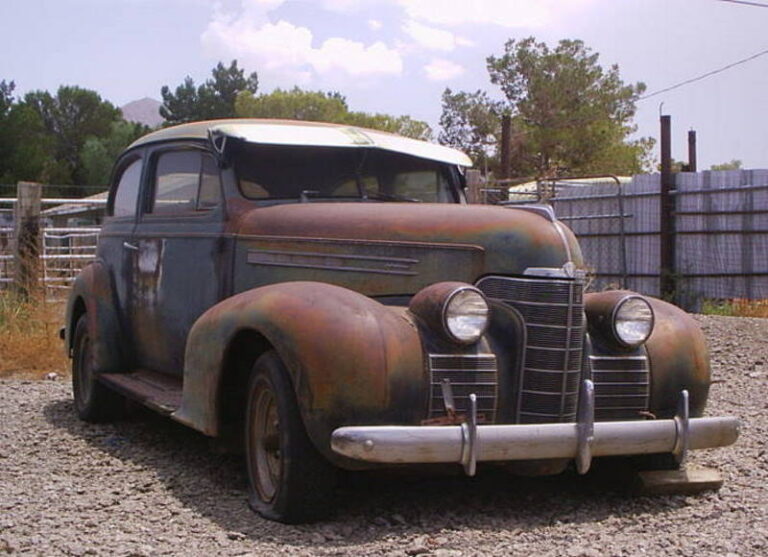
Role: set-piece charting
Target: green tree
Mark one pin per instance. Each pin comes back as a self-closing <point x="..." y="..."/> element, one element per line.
<point x="319" y="106"/>
<point x="25" y="147"/>
<point x="471" y="122"/>
<point x="569" y="115"/>
<point x="99" y="153"/>
<point x="576" y="116"/>
<point x="70" y="118"/>
<point x="213" y="99"/>
<point x="735" y="164"/>
<point x="294" y="104"/>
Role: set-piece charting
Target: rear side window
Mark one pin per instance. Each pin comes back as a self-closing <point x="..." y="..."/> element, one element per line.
<point x="185" y="181"/>
<point x="127" y="192"/>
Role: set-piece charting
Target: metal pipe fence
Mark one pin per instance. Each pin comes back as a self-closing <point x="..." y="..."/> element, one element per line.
<point x="59" y="251"/>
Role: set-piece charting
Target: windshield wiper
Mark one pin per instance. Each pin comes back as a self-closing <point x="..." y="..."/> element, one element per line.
<point x="388" y="196"/>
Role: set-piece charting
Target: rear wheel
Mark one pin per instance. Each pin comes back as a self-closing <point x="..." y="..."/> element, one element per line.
<point x="289" y="480"/>
<point x="93" y="401"/>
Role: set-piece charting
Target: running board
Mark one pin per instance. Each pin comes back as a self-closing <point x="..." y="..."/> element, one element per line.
<point x="157" y="391"/>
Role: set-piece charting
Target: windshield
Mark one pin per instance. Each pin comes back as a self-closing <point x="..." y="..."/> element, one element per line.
<point x="303" y="173"/>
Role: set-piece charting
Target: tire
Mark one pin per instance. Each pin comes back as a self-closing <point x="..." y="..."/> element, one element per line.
<point x="289" y="480"/>
<point x="93" y="401"/>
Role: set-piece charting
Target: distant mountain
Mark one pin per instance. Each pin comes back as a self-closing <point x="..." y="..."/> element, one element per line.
<point x="144" y="111"/>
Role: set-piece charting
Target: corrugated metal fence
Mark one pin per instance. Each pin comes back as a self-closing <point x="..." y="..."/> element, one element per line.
<point x="721" y="233"/>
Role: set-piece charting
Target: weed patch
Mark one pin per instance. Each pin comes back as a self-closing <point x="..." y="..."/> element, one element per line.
<point x="29" y="337"/>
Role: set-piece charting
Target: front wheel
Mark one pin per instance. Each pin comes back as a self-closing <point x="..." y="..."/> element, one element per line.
<point x="93" y="401"/>
<point x="289" y="480"/>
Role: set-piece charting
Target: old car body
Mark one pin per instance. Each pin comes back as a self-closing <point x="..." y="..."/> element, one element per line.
<point x="329" y="291"/>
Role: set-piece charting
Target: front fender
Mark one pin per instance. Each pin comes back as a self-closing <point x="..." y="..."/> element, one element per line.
<point x="93" y="290"/>
<point x="677" y="352"/>
<point x="351" y="359"/>
<point x="679" y="360"/>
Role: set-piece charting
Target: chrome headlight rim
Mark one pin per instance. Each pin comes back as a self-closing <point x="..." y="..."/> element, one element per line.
<point x="444" y="314"/>
<point x="615" y="313"/>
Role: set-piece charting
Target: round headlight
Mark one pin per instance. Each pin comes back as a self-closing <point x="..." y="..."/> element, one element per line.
<point x="465" y="315"/>
<point x="633" y="320"/>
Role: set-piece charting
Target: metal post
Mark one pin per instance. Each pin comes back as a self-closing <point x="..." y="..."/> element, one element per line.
<point x="692" y="151"/>
<point x="506" y="147"/>
<point x="26" y="237"/>
<point x="667" y="285"/>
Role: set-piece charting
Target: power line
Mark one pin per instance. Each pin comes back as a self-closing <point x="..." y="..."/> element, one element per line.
<point x="705" y="75"/>
<point x="746" y="3"/>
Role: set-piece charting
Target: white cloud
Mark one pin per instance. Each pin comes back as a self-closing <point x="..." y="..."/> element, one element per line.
<point x="440" y="69"/>
<point x="506" y="13"/>
<point x="286" y="50"/>
<point x="375" y="24"/>
<point x="355" y="58"/>
<point x="432" y="38"/>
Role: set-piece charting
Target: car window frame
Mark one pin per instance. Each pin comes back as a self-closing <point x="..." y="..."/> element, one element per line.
<point x="125" y="161"/>
<point x="447" y="171"/>
<point x="150" y="176"/>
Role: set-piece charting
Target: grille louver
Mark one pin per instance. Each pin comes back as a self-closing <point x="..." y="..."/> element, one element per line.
<point x="553" y="311"/>
<point x="622" y="386"/>
<point x="468" y="374"/>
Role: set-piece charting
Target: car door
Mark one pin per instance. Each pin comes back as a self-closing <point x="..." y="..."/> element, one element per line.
<point x="182" y="253"/>
<point x="116" y="248"/>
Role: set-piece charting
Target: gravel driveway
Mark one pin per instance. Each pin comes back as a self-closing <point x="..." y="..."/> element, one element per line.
<point x="151" y="487"/>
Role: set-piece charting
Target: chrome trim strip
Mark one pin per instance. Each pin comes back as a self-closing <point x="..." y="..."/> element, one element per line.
<point x="683" y="427"/>
<point x="586" y="427"/>
<point x="469" y="439"/>
<point x="332" y="261"/>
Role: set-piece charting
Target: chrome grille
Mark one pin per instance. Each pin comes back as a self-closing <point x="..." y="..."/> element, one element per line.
<point x="553" y="311"/>
<point x="622" y="386"/>
<point x="468" y="373"/>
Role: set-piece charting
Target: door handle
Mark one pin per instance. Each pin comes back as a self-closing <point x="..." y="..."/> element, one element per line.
<point x="128" y="245"/>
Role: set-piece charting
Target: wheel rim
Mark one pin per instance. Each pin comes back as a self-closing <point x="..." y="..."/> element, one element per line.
<point x="84" y="372"/>
<point x="265" y="462"/>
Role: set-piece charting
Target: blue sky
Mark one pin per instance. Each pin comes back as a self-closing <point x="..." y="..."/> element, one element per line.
<point x="397" y="56"/>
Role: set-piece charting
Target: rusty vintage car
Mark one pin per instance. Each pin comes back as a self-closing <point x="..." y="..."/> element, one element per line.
<point x="327" y="294"/>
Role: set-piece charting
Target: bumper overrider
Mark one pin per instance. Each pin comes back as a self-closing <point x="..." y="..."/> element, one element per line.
<point x="470" y="443"/>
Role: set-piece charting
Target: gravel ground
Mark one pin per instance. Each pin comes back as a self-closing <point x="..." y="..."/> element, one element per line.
<point x="150" y="487"/>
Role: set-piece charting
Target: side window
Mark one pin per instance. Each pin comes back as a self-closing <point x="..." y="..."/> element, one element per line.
<point x="210" y="185"/>
<point x="177" y="175"/>
<point x="127" y="192"/>
<point x="185" y="181"/>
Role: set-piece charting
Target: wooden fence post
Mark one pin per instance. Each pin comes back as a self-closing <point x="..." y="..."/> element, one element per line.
<point x="26" y="237"/>
<point x="474" y="181"/>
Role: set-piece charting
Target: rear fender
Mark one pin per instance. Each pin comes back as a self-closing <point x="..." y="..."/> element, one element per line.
<point x="93" y="291"/>
<point x="351" y="359"/>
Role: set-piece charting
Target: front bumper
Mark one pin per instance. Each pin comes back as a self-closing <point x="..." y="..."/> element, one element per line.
<point x="470" y="443"/>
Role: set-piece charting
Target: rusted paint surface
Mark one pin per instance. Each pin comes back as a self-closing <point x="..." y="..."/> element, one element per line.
<point x="679" y="360"/>
<point x="352" y="359"/>
<point x="676" y="350"/>
<point x="512" y="240"/>
<point x="94" y="288"/>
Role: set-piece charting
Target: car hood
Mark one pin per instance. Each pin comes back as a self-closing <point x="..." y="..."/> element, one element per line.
<point x="386" y="248"/>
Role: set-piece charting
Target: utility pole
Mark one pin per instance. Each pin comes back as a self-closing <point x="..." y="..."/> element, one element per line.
<point x="668" y="286"/>
<point x="692" y="151"/>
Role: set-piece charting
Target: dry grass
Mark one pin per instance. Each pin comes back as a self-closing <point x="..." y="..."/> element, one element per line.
<point x="29" y="338"/>
<point x="737" y="307"/>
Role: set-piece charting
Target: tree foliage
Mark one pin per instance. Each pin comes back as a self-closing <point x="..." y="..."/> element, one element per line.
<point x="319" y="106"/>
<point x="25" y="148"/>
<point x="70" y="118"/>
<point x="99" y="153"/>
<point x="213" y="99"/>
<point x="569" y="115"/>
<point x="471" y="122"/>
<point x="734" y="164"/>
